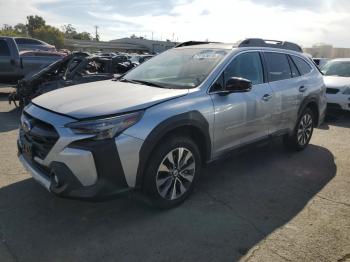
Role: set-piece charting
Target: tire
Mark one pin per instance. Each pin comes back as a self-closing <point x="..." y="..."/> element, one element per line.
<point x="168" y="182"/>
<point x="302" y="133"/>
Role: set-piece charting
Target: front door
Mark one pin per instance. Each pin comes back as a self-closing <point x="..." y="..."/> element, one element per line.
<point x="245" y="117"/>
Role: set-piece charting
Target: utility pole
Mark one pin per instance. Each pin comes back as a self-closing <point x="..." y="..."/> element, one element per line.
<point x="97" y="37"/>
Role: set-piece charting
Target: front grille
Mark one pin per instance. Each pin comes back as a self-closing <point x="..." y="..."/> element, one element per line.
<point x="333" y="106"/>
<point x="332" y="91"/>
<point x="42" y="136"/>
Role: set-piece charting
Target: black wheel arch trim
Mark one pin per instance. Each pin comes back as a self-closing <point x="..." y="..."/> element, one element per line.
<point x="306" y="102"/>
<point x="192" y="119"/>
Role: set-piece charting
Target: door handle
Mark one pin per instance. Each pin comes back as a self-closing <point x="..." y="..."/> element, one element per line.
<point x="266" y="97"/>
<point x="302" y="89"/>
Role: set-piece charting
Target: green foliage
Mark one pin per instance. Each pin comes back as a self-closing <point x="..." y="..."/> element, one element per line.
<point x="34" y="23"/>
<point x="50" y="34"/>
<point x="21" y="28"/>
<point x="71" y="33"/>
<point x="8" y="30"/>
<point x="83" y="36"/>
<point x="36" y="27"/>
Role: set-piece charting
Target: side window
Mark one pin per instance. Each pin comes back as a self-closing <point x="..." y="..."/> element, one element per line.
<point x="295" y="72"/>
<point x="278" y="66"/>
<point x="248" y="66"/>
<point x="219" y="84"/>
<point x="304" y="68"/>
<point x="27" y="41"/>
<point x="4" y="49"/>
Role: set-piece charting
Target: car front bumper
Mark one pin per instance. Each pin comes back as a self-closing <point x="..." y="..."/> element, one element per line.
<point x="338" y="101"/>
<point x="75" y="166"/>
<point x="63" y="177"/>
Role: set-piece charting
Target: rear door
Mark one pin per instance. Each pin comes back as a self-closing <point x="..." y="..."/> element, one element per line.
<point x="285" y="81"/>
<point x="241" y="118"/>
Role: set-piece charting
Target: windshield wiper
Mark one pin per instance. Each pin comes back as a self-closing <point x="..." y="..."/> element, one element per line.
<point x="142" y="82"/>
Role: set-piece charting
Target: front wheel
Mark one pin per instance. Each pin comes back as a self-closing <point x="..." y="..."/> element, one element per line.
<point x="172" y="171"/>
<point x="303" y="131"/>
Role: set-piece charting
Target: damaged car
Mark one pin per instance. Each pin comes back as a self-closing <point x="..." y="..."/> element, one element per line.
<point x="76" y="68"/>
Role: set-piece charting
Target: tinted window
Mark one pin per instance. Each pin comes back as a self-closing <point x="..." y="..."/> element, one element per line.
<point x="4" y="49"/>
<point x="278" y="66"/>
<point x="304" y="68"/>
<point x="295" y="72"/>
<point x="248" y="66"/>
<point x="27" y="41"/>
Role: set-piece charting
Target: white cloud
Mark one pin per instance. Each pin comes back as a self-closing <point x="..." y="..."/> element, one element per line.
<point x="220" y="20"/>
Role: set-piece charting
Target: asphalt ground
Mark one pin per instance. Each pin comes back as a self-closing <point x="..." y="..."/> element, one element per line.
<point x="265" y="204"/>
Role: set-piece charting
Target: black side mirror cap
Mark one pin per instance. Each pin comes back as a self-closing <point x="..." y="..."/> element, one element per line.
<point x="237" y="84"/>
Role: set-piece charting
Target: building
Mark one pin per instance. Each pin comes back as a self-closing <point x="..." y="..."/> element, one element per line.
<point x="327" y="51"/>
<point x="129" y="45"/>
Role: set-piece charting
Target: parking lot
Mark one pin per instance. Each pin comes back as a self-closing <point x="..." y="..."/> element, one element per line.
<point x="263" y="205"/>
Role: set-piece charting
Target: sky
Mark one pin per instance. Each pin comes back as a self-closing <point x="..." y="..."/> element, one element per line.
<point x="303" y="21"/>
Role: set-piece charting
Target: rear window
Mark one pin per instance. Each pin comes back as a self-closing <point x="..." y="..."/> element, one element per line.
<point x="278" y="66"/>
<point x="27" y="41"/>
<point x="304" y="68"/>
<point x="4" y="49"/>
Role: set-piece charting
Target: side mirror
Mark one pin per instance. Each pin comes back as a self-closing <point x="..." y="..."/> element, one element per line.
<point x="236" y="84"/>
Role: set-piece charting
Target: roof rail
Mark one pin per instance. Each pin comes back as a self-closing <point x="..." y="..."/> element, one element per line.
<point x="189" y="43"/>
<point x="258" y="42"/>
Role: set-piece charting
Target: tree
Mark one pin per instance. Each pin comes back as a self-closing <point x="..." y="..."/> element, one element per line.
<point x="83" y="36"/>
<point x="21" y="29"/>
<point x="71" y="33"/>
<point x="50" y="34"/>
<point x="34" y="23"/>
<point x="8" y="30"/>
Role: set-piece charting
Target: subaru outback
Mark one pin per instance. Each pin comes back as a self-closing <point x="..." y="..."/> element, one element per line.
<point x="156" y="126"/>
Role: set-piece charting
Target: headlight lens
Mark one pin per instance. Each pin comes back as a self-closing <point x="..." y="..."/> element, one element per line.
<point x="347" y="91"/>
<point x="107" y="127"/>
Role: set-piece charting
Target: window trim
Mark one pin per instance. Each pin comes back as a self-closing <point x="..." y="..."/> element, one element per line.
<point x="291" y="61"/>
<point x="312" y="67"/>
<point x="209" y="90"/>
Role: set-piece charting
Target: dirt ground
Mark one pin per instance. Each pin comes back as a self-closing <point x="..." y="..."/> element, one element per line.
<point x="266" y="204"/>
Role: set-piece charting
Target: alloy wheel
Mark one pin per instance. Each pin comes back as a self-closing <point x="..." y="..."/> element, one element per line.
<point x="175" y="173"/>
<point x="305" y="129"/>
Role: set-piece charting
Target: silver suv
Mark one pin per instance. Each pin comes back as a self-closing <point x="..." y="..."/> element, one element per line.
<point x="154" y="128"/>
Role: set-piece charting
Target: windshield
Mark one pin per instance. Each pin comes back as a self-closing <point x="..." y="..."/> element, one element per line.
<point x="337" y="68"/>
<point x="178" y="68"/>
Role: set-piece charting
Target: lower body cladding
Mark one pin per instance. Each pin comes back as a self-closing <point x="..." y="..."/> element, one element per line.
<point x="84" y="168"/>
<point x="338" y="101"/>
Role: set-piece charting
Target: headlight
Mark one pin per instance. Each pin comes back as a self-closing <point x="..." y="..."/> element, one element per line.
<point x="346" y="91"/>
<point x="107" y="127"/>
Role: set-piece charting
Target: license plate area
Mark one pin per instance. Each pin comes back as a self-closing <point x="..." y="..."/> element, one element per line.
<point x="26" y="148"/>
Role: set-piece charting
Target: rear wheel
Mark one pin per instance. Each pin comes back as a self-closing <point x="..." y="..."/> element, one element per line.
<point x="173" y="169"/>
<point x="303" y="131"/>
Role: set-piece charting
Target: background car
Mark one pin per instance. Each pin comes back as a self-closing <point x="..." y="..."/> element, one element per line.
<point x="25" y="43"/>
<point x="320" y="62"/>
<point x="139" y="59"/>
<point x="337" y="80"/>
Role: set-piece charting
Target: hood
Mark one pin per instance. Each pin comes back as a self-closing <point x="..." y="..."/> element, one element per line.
<point x="104" y="98"/>
<point x="337" y="82"/>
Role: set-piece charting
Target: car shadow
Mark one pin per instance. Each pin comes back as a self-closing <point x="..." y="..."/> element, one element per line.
<point x="238" y="201"/>
<point x="338" y="118"/>
<point x="9" y="120"/>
